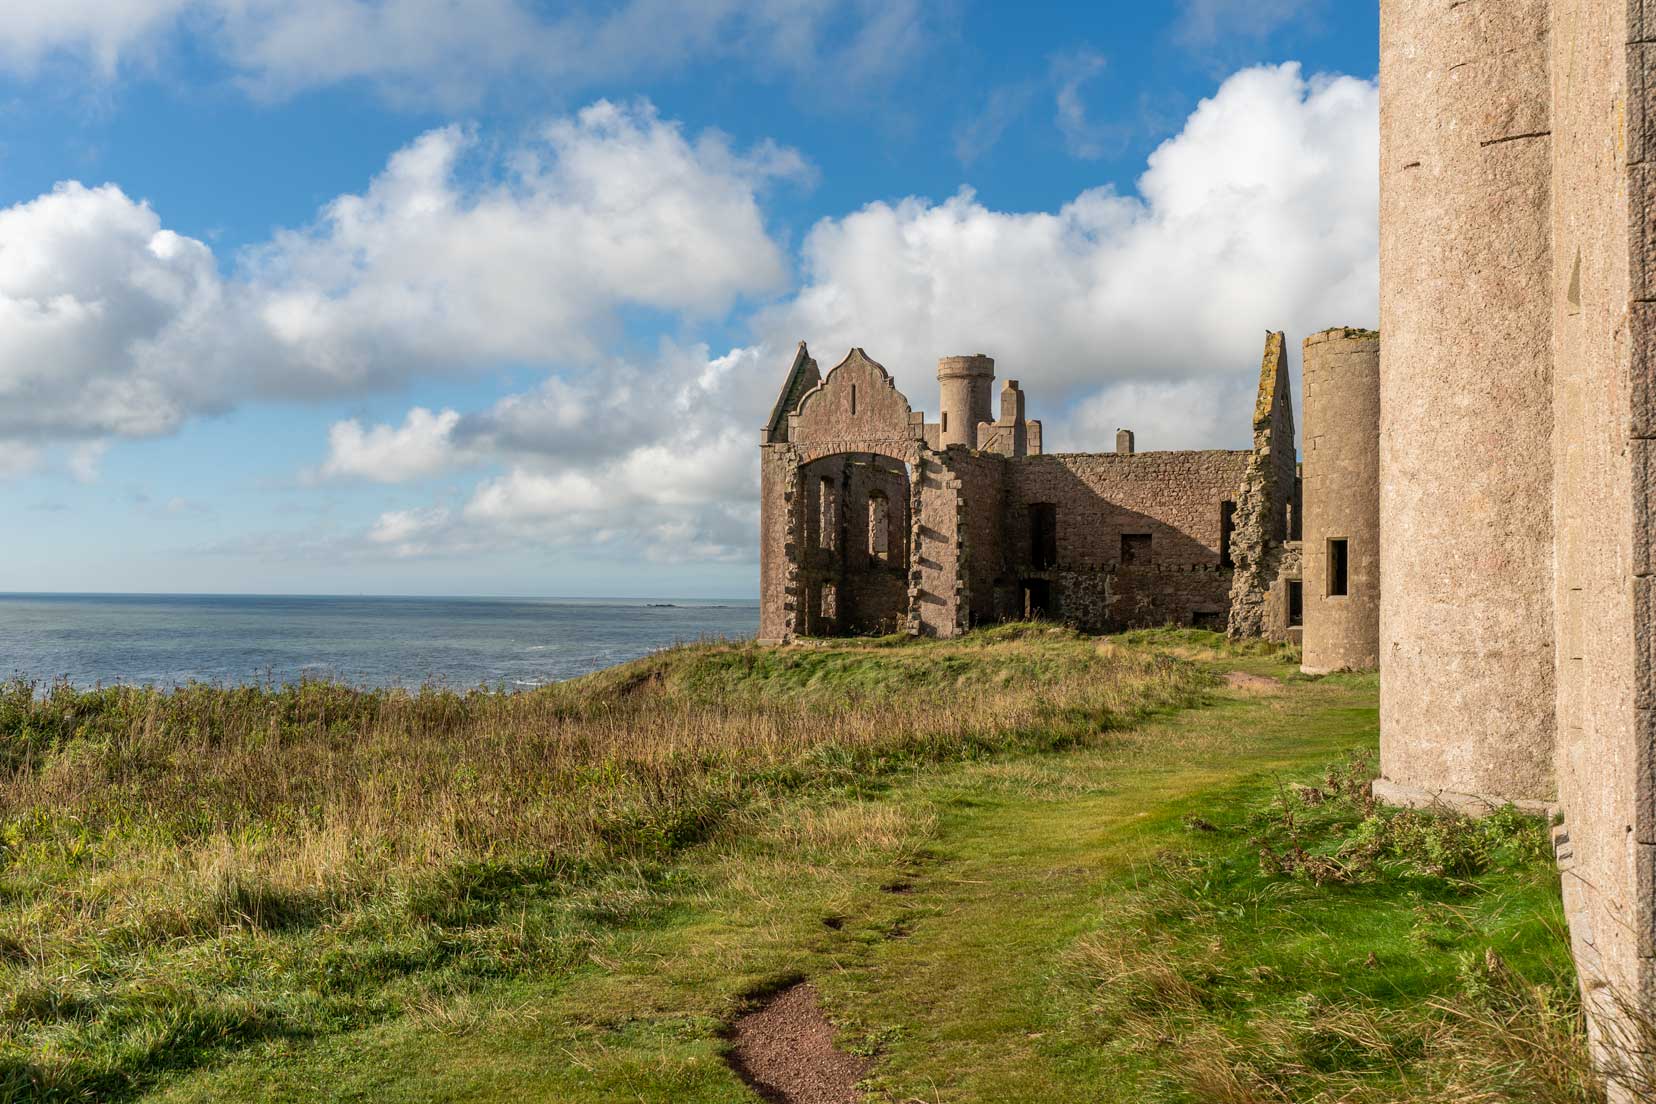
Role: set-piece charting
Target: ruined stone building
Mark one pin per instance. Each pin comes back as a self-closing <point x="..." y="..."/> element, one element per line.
<point x="875" y="520"/>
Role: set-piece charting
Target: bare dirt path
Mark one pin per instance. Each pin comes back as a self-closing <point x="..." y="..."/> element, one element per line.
<point x="785" y="1052"/>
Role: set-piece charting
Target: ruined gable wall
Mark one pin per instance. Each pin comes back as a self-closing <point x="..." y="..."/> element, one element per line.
<point x="856" y="408"/>
<point x="1466" y="624"/>
<point x="1603" y="275"/>
<point x="1173" y="496"/>
<point x="1266" y="496"/>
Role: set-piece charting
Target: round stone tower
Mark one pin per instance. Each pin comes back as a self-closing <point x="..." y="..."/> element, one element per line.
<point x="1467" y="683"/>
<point x="1341" y="527"/>
<point x="967" y="385"/>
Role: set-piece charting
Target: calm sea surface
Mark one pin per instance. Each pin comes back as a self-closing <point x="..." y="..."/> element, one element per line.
<point x="459" y="642"/>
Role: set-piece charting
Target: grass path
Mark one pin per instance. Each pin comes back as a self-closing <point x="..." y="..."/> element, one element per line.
<point x="933" y="912"/>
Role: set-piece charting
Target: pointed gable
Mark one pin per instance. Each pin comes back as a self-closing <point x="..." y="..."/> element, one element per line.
<point x="803" y="375"/>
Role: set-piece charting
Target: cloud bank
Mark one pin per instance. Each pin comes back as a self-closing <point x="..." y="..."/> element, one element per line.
<point x="1145" y="311"/>
<point x="112" y="325"/>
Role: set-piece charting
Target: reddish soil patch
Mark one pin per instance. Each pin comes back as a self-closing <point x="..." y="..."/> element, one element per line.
<point x="1241" y="680"/>
<point x="785" y="1051"/>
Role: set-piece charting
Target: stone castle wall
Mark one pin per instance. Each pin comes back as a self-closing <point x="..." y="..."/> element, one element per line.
<point x="934" y="571"/>
<point x="980" y="487"/>
<point x="1175" y="498"/>
<point x="1466" y="621"/>
<point x="1603" y="280"/>
<point x="1518" y="274"/>
<point x="1341" y="481"/>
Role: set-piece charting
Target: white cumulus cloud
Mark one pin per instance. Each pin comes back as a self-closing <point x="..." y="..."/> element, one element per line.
<point x="1261" y="213"/>
<point x="392" y="454"/>
<point x="671" y="478"/>
<point x="452" y="261"/>
<point x="92" y="289"/>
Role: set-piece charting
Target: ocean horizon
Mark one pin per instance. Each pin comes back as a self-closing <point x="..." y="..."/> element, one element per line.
<point x="91" y="639"/>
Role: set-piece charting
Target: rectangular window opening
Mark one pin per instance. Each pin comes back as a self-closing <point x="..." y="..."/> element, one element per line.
<point x="1337" y="580"/>
<point x="879" y="527"/>
<point x="826" y="522"/>
<point x="1227" y="527"/>
<point x="1296" y="603"/>
<point x="1135" y="548"/>
<point x="1037" y="599"/>
<point x="944" y="422"/>
<point x="1043" y="535"/>
<point x="853" y="398"/>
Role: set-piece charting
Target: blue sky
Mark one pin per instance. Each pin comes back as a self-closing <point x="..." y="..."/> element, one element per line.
<point x="491" y="296"/>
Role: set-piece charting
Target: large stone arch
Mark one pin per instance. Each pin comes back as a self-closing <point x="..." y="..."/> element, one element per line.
<point x="852" y="557"/>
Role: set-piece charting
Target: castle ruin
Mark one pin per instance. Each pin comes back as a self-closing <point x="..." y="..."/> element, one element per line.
<point x="875" y="520"/>
<point x="1479" y="493"/>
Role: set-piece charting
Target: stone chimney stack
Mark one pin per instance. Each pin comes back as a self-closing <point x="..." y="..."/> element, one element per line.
<point x="1124" y="442"/>
<point x="965" y="383"/>
<point x="1012" y="417"/>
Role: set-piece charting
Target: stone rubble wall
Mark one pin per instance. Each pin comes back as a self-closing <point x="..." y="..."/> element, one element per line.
<point x="1173" y="496"/>
<point x="980" y="542"/>
<point x="935" y="584"/>
<point x="1290" y="569"/>
<point x="779" y="542"/>
<point x="1265" y="497"/>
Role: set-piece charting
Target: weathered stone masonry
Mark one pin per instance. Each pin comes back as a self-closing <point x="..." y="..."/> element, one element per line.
<point x="1518" y="532"/>
<point x="1340" y="596"/>
<point x="875" y="520"/>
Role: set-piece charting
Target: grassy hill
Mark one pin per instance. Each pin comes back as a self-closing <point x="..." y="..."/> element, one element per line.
<point x="1022" y="866"/>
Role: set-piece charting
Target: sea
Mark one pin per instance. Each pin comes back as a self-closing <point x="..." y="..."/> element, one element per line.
<point x="173" y="639"/>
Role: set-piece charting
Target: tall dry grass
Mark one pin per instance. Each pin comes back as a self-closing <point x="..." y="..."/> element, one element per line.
<point x="251" y="861"/>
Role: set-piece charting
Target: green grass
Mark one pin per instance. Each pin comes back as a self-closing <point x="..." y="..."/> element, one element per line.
<point x="999" y="860"/>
